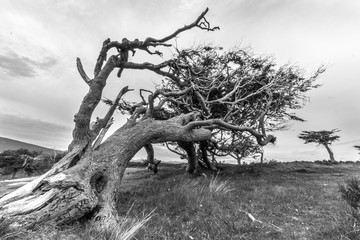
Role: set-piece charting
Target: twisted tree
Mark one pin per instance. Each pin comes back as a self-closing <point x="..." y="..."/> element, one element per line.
<point x="357" y="147"/>
<point x="324" y="138"/>
<point x="205" y="92"/>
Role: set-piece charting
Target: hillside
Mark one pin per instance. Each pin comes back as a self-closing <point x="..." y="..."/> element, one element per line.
<point x="10" y="144"/>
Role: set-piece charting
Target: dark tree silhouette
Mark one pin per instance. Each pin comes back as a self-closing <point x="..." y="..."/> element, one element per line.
<point x="324" y="138"/>
<point x="357" y="147"/>
<point x="205" y="91"/>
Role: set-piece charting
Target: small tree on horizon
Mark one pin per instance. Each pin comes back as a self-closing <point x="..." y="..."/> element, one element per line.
<point x="357" y="148"/>
<point x="323" y="137"/>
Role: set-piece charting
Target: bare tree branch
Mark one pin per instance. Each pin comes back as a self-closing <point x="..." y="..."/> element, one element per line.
<point x="156" y="69"/>
<point x="197" y="23"/>
<point x="125" y="46"/>
<point x="102" y="134"/>
<point x="82" y="72"/>
<point x="102" y="123"/>
<point x="202" y="102"/>
<point x="102" y="57"/>
<point x="152" y="97"/>
<point x="259" y="137"/>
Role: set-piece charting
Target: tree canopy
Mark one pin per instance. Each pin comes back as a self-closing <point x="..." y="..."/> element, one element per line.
<point x="320" y="137"/>
<point x="226" y="89"/>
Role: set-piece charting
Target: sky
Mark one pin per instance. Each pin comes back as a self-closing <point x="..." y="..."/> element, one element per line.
<point x="41" y="89"/>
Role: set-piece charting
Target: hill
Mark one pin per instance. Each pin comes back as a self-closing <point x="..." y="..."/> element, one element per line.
<point x="10" y="144"/>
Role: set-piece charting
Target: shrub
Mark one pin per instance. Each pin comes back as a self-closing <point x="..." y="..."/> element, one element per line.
<point x="351" y="193"/>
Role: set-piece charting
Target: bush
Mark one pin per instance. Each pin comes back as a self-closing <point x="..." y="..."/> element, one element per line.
<point x="351" y="193"/>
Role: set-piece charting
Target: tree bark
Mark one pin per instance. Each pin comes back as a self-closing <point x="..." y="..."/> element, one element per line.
<point x="150" y="153"/>
<point x="91" y="187"/>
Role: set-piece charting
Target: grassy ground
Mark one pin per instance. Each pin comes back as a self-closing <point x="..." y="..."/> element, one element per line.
<point x="273" y="201"/>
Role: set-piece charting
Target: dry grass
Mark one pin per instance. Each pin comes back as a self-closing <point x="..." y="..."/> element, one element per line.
<point x="274" y="201"/>
<point x="285" y="201"/>
<point x="218" y="186"/>
<point x="125" y="230"/>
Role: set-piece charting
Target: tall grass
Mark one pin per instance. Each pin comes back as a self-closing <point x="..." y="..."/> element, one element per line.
<point x="350" y="192"/>
<point x="217" y="186"/>
<point x="124" y="230"/>
<point x="277" y="201"/>
<point x="283" y="203"/>
<point x="201" y="208"/>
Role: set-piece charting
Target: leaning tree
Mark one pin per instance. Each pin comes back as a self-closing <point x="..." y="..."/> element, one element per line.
<point x="357" y="147"/>
<point x="205" y="91"/>
<point x="324" y="138"/>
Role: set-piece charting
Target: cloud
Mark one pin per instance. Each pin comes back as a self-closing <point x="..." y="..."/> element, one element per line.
<point x="350" y="142"/>
<point x="305" y="153"/>
<point x="16" y="65"/>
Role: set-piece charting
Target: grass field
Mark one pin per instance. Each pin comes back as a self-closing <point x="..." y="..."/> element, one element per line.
<point x="272" y="201"/>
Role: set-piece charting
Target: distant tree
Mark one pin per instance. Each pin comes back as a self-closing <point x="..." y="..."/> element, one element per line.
<point x="11" y="161"/>
<point x="357" y="148"/>
<point x="324" y="138"/>
<point x="37" y="164"/>
<point x="237" y="146"/>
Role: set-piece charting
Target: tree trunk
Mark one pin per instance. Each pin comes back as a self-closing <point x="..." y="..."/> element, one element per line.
<point x="205" y="158"/>
<point x="15" y="170"/>
<point x="152" y="163"/>
<point x="331" y="154"/>
<point x="262" y="157"/>
<point x="150" y="153"/>
<point x="191" y="156"/>
<point x="91" y="187"/>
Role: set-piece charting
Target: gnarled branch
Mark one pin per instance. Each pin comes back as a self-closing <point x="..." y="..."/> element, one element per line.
<point x="82" y="71"/>
<point x="218" y="122"/>
<point x="102" y="123"/>
<point x="200" y="22"/>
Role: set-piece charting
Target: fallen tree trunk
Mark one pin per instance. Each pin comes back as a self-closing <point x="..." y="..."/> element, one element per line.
<point x="91" y="187"/>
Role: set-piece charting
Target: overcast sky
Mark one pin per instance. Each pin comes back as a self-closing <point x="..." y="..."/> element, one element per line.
<point x="40" y="39"/>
